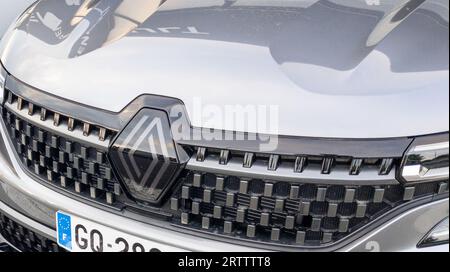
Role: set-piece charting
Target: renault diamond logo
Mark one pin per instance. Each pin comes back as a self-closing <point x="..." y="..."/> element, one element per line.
<point x="137" y="140"/>
<point x="144" y="155"/>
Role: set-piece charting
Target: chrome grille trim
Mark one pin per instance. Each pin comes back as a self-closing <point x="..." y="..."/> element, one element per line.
<point x="339" y="175"/>
<point x="61" y="129"/>
<point x="65" y="125"/>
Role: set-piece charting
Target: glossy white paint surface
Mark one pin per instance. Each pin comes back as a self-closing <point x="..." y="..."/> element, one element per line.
<point x="321" y="76"/>
<point x="9" y="10"/>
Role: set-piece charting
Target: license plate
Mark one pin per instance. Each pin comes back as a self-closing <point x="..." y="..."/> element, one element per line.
<point x="80" y="235"/>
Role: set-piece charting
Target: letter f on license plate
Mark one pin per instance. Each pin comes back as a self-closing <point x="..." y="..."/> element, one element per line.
<point x="77" y="234"/>
<point x="64" y="230"/>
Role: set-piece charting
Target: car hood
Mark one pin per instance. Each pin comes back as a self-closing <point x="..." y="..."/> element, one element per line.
<point x="337" y="69"/>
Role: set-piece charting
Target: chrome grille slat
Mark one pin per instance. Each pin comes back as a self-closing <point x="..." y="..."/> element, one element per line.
<point x="61" y="129"/>
<point x="285" y="172"/>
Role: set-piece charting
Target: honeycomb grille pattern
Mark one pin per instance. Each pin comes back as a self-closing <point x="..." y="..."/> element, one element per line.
<point x="71" y="165"/>
<point x="286" y="213"/>
<point x="24" y="239"/>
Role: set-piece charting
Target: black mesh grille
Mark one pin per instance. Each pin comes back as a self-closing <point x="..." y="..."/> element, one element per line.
<point x="289" y="213"/>
<point x="56" y="158"/>
<point x="283" y="209"/>
<point x="25" y="239"/>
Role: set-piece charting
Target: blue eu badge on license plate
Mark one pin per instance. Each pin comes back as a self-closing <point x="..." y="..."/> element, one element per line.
<point x="64" y="230"/>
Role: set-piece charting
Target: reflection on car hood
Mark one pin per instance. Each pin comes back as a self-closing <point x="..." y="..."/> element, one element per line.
<point x="335" y="68"/>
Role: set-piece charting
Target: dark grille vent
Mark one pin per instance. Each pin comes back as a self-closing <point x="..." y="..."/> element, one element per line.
<point x="290" y="213"/>
<point x="25" y="239"/>
<point x="76" y="163"/>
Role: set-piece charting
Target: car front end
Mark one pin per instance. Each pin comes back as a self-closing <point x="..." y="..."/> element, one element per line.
<point x="225" y="126"/>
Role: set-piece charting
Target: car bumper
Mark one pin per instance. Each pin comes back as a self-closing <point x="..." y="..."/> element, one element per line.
<point x="34" y="206"/>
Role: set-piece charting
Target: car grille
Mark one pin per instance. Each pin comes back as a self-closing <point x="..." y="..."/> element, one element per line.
<point x="289" y="200"/>
<point x="25" y="239"/>
<point x="62" y="151"/>
<point x="288" y="212"/>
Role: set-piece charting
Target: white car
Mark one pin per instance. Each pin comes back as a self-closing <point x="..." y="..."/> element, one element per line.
<point x="208" y="125"/>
